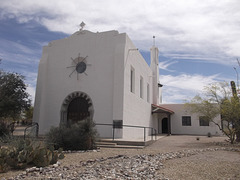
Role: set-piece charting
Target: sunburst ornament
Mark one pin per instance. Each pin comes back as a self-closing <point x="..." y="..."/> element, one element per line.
<point x="79" y="65"/>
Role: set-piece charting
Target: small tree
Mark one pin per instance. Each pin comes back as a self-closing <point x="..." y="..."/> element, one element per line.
<point x="13" y="97"/>
<point x="218" y="100"/>
<point x="230" y="109"/>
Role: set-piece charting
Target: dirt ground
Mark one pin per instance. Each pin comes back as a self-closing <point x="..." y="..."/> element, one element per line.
<point x="207" y="165"/>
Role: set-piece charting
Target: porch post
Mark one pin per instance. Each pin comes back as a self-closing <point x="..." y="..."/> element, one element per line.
<point x="169" y="124"/>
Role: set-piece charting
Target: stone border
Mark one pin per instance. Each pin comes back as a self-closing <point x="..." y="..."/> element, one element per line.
<point x="115" y="167"/>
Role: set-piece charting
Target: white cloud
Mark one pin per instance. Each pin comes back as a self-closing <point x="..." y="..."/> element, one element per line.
<point x="17" y="53"/>
<point x="191" y="82"/>
<point x="165" y="64"/>
<point x="16" y="46"/>
<point x="206" y="31"/>
<point x="31" y="91"/>
<point x="175" y="95"/>
<point x="184" y="87"/>
<point x="31" y="79"/>
<point x="209" y="28"/>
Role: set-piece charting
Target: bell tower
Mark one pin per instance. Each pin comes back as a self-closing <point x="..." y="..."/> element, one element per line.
<point x="155" y="74"/>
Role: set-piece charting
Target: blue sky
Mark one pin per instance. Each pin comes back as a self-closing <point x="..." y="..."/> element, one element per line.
<point x="198" y="41"/>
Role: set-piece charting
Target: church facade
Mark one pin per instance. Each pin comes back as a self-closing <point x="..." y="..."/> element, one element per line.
<point x="103" y="77"/>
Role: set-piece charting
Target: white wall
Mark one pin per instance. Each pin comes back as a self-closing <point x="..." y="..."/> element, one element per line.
<point x="195" y="129"/>
<point x="105" y="53"/>
<point x="111" y="55"/>
<point x="137" y="111"/>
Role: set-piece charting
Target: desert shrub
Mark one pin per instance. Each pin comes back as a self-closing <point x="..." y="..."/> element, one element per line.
<point x="77" y="136"/>
<point x="4" y="129"/>
<point x="19" y="153"/>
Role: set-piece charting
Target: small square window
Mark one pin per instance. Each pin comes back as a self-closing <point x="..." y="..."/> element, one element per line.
<point x="118" y="124"/>
<point x="203" y="121"/>
<point x="186" y="120"/>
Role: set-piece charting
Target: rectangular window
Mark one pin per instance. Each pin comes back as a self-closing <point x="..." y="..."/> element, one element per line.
<point x="132" y="80"/>
<point x="118" y="124"/>
<point x="148" y="96"/>
<point x="141" y="87"/>
<point x="186" y="120"/>
<point x="203" y="121"/>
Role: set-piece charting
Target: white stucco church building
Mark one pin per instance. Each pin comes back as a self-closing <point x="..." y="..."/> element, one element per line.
<point x="103" y="76"/>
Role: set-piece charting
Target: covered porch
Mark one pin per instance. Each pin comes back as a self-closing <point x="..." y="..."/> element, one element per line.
<point x="163" y="117"/>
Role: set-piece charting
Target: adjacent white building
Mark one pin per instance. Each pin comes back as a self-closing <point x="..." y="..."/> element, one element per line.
<point x="185" y="122"/>
<point x="104" y="77"/>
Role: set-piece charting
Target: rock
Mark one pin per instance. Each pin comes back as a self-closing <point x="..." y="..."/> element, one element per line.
<point x="55" y="165"/>
<point x="115" y="167"/>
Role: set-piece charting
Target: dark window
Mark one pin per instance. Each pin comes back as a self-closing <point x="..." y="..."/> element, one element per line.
<point x="186" y="120"/>
<point x="117" y="124"/>
<point x="141" y="87"/>
<point x="132" y="80"/>
<point x="148" y="96"/>
<point x="203" y="121"/>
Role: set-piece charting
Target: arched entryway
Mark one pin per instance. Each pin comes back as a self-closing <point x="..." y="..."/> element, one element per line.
<point x="165" y="126"/>
<point x="76" y="106"/>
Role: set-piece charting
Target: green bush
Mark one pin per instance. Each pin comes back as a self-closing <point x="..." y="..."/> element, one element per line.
<point x="19" y="153"/>
<point x="77" y="136"/>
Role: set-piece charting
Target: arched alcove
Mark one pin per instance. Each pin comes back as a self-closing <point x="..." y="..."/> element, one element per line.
<point x="76" y="107"/>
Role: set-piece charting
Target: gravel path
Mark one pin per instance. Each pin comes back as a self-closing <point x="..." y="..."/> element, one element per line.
<point x="173" y="157"/>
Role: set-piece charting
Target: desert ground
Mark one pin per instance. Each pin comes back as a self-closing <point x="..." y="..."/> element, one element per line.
<point x="170" y="157"/>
